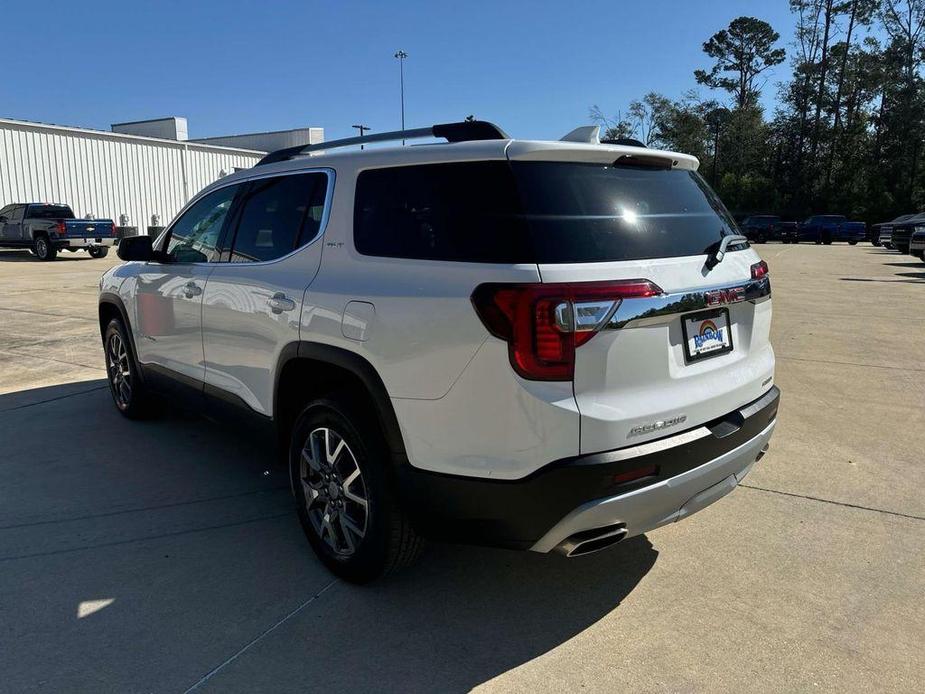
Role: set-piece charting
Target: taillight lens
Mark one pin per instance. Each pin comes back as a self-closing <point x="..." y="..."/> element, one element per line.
<point x="112" y="229"/>
<point x="543" y="324"/>
<point x="759" y="270"/>
<point x="61" y="229"/>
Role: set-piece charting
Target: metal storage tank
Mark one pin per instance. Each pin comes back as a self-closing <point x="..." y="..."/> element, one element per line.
<point x="108" y="174"/>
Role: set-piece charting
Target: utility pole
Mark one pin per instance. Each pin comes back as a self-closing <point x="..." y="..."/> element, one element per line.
<point x="401" y="55"/>
<point x="362" y="129"/>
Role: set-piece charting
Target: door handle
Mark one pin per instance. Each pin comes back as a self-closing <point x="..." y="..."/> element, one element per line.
<point x="191" y="289"/>
<point x="279" y="302"/>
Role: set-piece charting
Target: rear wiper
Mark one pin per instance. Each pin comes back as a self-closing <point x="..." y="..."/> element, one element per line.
<point x="717" y="257"/>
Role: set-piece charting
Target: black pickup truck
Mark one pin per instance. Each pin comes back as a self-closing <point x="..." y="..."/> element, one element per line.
<point x="46" y="228"/>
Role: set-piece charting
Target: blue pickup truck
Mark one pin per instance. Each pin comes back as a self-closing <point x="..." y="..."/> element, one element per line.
<point x="46" y="228"/>
<point x="826" y="228"/>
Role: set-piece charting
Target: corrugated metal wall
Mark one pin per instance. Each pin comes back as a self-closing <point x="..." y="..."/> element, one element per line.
<point x="107" y="174"/>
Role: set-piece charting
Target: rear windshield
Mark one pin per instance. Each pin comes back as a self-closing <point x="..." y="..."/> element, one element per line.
<point x="536" y="212"/>
<point x="49" y="212"/>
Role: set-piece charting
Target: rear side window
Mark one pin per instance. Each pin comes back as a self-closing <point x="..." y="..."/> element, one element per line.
<point x="542" y="212"/>
<point x="278" y="215"/>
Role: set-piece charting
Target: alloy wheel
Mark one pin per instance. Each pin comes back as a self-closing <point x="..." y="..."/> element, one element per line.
<point x="120" y="372"/>
<point x="335" y="493"/>
<point x="41" y="248"/>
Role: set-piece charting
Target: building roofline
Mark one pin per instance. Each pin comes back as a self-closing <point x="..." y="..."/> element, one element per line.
<point x="148" y="120"/>
<point x="265" y="132"/>
<point x="124" y="136"/>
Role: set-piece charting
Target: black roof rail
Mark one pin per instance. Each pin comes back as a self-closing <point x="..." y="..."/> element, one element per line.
<point x="463" y="131"/>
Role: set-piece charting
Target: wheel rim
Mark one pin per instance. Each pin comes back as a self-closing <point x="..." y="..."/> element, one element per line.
<point x="120" y="371"/>
<point x="41" y="248"/>
<point x="334" y="491"/>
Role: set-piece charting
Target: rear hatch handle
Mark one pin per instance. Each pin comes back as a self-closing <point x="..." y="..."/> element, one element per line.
<point x="717" y="257"/>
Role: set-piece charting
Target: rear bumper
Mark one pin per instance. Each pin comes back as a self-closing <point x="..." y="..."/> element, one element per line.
<point x="683" y="473"/>
<point x="83" y="243"/>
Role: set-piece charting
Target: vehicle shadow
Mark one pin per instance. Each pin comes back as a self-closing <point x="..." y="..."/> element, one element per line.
<point x="146" y="554"/>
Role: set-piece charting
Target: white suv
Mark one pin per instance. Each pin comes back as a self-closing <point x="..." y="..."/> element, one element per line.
<point x="534" y="345"/>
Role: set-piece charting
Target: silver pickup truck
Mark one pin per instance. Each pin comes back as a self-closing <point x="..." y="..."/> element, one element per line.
<point x="46" y="228"/>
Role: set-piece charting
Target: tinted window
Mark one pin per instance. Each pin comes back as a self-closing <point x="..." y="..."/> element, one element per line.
<point x="466" y="211"/>
<point x="278" y="215"/>
<point x="545" y="212"/>
<point x="49" y="212"/>
<point x="195" y="236"/>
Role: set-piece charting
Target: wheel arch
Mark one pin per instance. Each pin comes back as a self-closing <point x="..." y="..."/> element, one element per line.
<point x="308" y="370"/>
<point x="111" y="306"/>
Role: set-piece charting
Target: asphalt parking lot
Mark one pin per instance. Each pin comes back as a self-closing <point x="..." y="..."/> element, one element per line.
<point x="163" y="555"/>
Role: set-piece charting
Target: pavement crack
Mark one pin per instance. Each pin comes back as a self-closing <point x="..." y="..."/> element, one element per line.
<point x="158" y="507"/>
<point x="59" y="397"/>
<point x="266" y="632"/>
<point x="849" y="363"/>
<point x="834" y="503"/>
<point x="189" y="531"/>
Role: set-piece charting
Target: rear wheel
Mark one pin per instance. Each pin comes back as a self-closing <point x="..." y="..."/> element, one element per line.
<point x="761" y="238"/>
<point x="852" y="243"/>
<point x="128" y="393"/>
<point x="338" y="467"/>
<point x="98" y="251"/>
<point x="43" y="249"/>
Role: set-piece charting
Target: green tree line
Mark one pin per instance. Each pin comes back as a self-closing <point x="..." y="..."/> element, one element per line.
<point x="846" y="135"/>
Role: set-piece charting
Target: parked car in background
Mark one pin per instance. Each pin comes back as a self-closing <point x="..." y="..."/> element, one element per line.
<point x="884" y="231"/>
<point x="462" y="340"/>
<point x="767" y="227"/>
<point x="917" y="244"/>
<point x="826" y="228"/>
<point x="46" y="228"/>
<point x="902" y="232"/>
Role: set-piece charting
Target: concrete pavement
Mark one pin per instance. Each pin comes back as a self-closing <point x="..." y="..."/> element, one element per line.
<point x="164" y="556"/>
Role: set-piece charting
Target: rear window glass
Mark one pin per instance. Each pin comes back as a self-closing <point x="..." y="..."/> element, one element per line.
<point x="50" y="212"/>
<point x="543" y="212"/>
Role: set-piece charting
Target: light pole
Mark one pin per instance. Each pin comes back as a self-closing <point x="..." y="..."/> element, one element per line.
<point x="401" y="55"/>
<point x="362" y="129"/>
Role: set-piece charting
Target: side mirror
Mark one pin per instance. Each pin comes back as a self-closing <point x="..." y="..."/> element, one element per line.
<point x="136" y="248"/>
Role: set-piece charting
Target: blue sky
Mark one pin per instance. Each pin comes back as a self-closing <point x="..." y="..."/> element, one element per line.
<point x="230" y="66"/>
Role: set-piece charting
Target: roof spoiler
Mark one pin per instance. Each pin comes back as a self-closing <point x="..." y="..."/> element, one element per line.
<point x="464" y="131"/>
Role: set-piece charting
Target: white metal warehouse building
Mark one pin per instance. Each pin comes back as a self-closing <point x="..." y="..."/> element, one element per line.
<point x="127" y="171"/>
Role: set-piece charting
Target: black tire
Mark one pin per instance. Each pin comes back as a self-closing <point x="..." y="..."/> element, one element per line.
<point x="329" y="504"/>
<point x="818" y="242"/>
<point x="98" y="251"/>
<point x="43" y="249"/>
<point x="128" y="392"/>
<point x="875" y="242"/>
<point x="761" y="238"/>
<point x="852" y="243"/>
<point x="828" y="242"/>
<point x="888" y="246"/>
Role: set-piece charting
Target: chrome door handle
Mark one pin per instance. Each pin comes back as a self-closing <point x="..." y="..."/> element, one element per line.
<point x="279" y="302"/>
<point x="191" y="289"/>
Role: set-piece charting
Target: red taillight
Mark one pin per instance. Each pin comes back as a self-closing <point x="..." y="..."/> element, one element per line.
<point x="60" y="229"/>
<point x="759" y="270"/>
<point x="112" y="229"/>
<point x="544" y="323"/>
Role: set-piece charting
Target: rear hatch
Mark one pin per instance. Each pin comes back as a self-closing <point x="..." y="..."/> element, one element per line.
<point x="651" y="360"/>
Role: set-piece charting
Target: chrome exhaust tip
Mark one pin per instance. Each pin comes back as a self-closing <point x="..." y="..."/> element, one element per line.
<point x="762" y="452"/>
<point x="590" y="541"/>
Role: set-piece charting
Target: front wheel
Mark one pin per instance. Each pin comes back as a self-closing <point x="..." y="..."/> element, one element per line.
<point x="125" y="386"/>
<point x="98" y="251"/>
<point x="338" y="465"/>
<point x="43" y="249"/>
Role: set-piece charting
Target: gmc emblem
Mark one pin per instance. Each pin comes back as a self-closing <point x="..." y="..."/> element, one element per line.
<point x="718" y="297"/>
